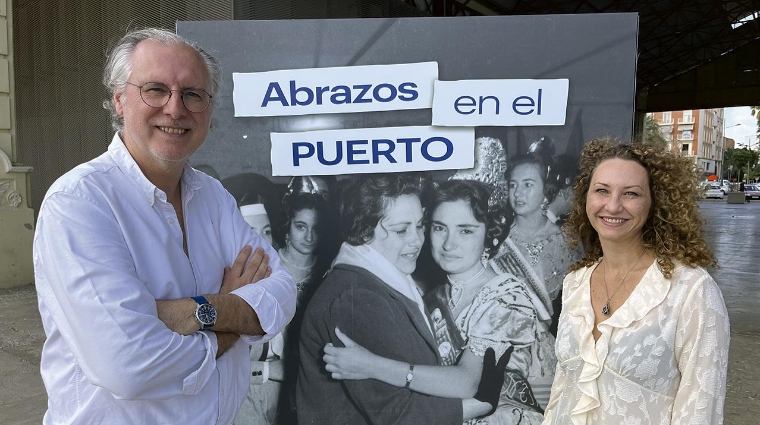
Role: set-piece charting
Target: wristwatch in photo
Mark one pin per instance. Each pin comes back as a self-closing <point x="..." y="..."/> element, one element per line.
<point x="409" y="376"/>
<point x="205" y="313"/>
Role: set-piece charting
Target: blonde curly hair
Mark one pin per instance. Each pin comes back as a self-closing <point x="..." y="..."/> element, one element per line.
<point x="674" y="228"/>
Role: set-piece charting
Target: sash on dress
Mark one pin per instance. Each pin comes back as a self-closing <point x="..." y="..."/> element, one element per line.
<point x="510" y="260"/>
<point x="447" y="337"/>
<point x="516" y="391"/>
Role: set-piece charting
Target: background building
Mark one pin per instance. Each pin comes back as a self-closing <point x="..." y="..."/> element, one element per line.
<point x="698" y="134"/>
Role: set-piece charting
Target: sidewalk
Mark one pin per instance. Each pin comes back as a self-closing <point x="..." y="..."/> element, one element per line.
<point x="733" y="232"/>
<point x="22" y="396"/>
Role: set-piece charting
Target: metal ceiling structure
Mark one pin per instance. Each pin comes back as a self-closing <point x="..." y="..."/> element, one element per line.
<point x="692" y="53"/>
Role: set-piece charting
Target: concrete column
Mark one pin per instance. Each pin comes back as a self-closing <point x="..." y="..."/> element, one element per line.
<point x="16" y="217"/>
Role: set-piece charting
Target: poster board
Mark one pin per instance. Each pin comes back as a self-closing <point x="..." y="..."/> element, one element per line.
<point x="582" y="67"/>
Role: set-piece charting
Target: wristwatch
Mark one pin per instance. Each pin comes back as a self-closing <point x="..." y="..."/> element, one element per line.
<point x="205" y="313"/>
<point x="409" y="376"/>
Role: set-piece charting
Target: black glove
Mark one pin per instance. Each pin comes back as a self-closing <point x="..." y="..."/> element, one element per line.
<point x="492" y="378"/>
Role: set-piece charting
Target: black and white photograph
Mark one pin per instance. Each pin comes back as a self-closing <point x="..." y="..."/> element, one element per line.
<point x="424" y="296"/>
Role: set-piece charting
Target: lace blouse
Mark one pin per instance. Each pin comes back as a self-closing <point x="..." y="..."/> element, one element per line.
<point x="661" y="357"/>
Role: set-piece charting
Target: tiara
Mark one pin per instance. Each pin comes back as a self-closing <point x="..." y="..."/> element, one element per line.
<point x="490" y="167"/>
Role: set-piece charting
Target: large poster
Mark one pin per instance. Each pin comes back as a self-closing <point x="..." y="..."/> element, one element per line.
<point x="414" y="175"/>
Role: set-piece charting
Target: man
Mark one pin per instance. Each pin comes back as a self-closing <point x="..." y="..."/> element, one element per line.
<point x="124" y="241"/>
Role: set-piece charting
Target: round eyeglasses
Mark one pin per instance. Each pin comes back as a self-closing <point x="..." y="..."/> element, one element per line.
<point x="157" y="95"/>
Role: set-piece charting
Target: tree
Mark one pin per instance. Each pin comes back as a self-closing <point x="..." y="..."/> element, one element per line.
<point x="741" y="159"/>
<point x="652" y="135"/>
<point x="755" y="111"/>
<point x="728" y="164"/>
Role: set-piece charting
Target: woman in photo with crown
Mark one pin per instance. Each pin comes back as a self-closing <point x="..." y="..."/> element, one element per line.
<point x="305" y="254"/>
<point x="304" y="231"/>
<point x="536" y="248"/>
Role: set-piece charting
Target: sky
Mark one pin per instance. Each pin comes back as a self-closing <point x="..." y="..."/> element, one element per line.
<point x="746" y="132"/>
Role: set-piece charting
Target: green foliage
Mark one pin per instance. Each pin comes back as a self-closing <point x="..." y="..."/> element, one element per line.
<point x="652" y="135"/>
<point x="740" y="159"/>
<point x="755" y="111"/>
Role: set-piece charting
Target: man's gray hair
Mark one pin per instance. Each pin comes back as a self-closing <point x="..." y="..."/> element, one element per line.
<point x="119" y="65"/>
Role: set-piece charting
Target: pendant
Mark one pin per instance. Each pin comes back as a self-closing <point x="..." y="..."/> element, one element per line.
<point x="606" y="308"/>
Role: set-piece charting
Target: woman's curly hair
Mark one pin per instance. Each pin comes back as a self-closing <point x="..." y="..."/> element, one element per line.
<point x="364" y="199"/>
<point x="674" y="228"/>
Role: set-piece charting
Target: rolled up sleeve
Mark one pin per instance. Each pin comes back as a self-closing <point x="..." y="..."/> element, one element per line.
<point x="274" y="298"/>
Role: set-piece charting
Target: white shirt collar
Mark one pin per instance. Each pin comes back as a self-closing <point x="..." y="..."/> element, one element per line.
<point x="149" y="191"/>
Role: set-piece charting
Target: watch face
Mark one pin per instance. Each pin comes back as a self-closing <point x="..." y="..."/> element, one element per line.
<point x="206" y="314"/>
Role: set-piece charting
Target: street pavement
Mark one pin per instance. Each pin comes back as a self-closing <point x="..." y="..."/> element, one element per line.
<point x="732" y="230"/>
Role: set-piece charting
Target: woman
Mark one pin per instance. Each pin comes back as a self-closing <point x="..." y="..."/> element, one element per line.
<point x="489" y="310"/>
<point x="257" y="200"/>
<point x="264" y="389"/>
<point x="271" y="397"/>
<point x="643" y="335"/>
<point x="563" y="174"/>
<point x="370" y="295"/>
<point x="536" y="248"/>
<point x="304" y="249"/>
<point x="254" y="213"/>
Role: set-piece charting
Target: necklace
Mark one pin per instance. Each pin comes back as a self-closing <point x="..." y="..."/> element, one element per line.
<point x="457" y="287"/>
<point x="606" y="306"/>
<point x="288" y="262"/>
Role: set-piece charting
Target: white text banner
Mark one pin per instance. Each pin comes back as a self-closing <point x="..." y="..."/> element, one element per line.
<point x="500" y="102"/>
<point x="372" y="150"/>
<point x="362" y="88"/>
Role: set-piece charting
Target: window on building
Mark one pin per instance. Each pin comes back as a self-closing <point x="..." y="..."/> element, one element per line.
<point x="666" y="117"/>
<point x="684" y="148"/>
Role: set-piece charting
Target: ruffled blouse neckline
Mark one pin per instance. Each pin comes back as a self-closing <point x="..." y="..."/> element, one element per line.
<point x="648" y="294"/>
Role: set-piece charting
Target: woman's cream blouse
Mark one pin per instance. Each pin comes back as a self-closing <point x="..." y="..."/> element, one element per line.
<point x="661" y="357"/>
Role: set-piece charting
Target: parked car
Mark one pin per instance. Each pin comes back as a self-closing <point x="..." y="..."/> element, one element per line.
<point x="714" y="191"/>
<point x="751" y="191"/>
<point x="725" y="187"/>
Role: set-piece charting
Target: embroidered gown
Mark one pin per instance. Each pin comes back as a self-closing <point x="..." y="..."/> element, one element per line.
<point x="501" y="314"/>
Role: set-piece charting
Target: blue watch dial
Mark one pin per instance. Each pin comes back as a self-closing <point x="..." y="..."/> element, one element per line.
<point x="205" y="313"/>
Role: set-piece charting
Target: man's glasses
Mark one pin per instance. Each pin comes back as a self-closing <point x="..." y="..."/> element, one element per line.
<point x="157" y="95"/>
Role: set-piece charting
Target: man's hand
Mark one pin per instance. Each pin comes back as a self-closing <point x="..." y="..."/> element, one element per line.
<point x="241" y="274"/>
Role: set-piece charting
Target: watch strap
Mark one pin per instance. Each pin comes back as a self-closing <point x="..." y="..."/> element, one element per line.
<point x="200" y="299"/>
<point x="409" y="376"/>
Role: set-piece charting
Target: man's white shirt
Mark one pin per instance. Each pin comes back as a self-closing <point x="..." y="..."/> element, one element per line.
<point x="106" y="247"/>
